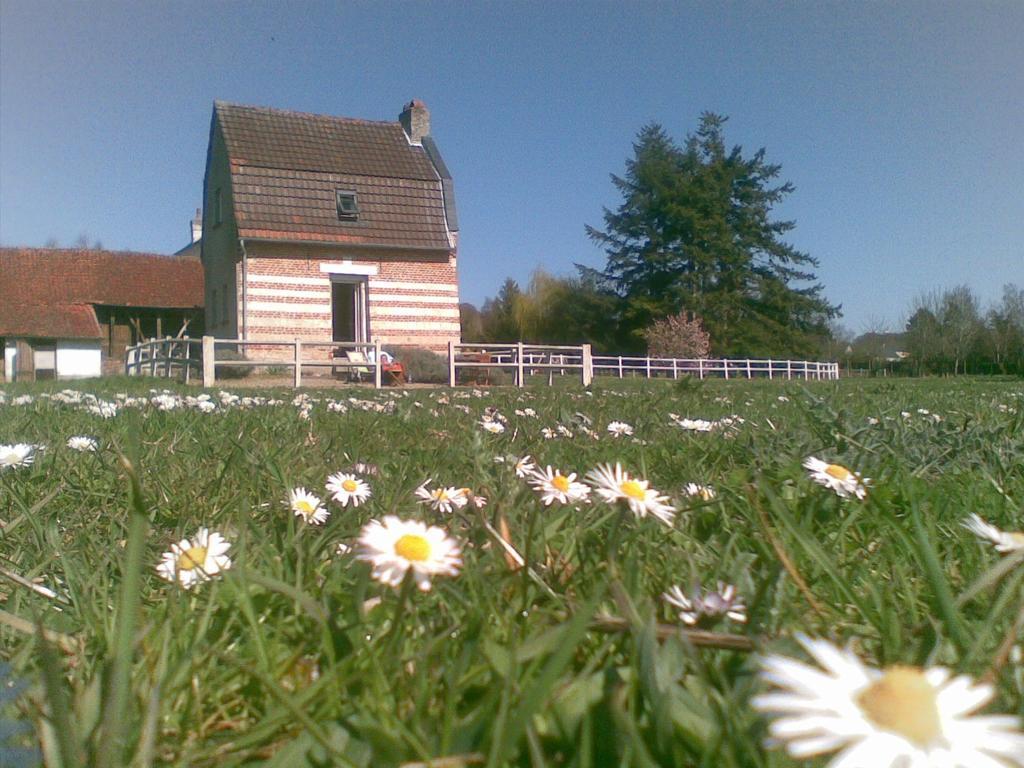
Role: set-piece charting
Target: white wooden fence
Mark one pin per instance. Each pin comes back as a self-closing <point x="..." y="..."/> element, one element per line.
<point x="172" y="357"/>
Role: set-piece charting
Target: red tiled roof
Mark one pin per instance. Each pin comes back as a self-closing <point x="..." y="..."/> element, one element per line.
<point x="48" y="292"/>
<point x="287" y="166"/>
<point x="56" y="321"/>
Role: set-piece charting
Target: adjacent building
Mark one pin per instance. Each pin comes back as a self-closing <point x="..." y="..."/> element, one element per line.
<point x="70" y="313"/>
<point x="328" y="229"/>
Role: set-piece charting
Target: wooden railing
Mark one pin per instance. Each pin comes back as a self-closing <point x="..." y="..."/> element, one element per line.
<point x="167" y="357"/>
<point x="188" y="357"/>
<point x="649" y="367"/>
<point x="521" y="359"/>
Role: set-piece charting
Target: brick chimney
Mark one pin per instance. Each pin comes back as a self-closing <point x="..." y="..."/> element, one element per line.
<point x="415" y="120"/>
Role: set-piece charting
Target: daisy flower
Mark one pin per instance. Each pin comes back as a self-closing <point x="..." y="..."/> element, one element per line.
<point x="192" y="561"/>
<point x="619" y="429"/>
<point x="884" y="718"/>
<point x="525" y="467"/>
<point x="17" y="455"/>
<point x="82" y="443"/>
<point x="705" y="492"/>
<point x="442" y="499"/>
<point x="347" y="489"/>
<point x="307" y="506"/>
<point x="837" y="477"/>
<point x="394" y="547"/>
<point x="696" y="425"/>
<point x="494" y="427"/>
<point x="1004" y="542"/>
<point x="707" y="608"/>
<point x="613" y="484"/>
<point x="552" y="486"/>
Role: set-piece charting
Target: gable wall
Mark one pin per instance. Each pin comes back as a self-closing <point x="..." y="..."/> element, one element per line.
<point x="220" y="251"/>
<point x="411" y="301"/>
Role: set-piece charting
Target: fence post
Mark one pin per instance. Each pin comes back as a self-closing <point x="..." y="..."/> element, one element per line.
<point x="451" y="363"/>
<point x="749" y="374"/>
<point x="675" y="370"/>
<point x="789" y="369"/>
<point x="209" y="362"/>
<point x="297" y="356"/>
<point x="588" y="365"/>
<point x="700" y="368"/>
<point x="807" y="374"/>
<point x="648" y="365"/>
<point x="520" y="378"/>
<point x="152" y="357"/>
<point x="188" y="359"/>
<point x="725" y="367"/>
<point x="620" y="366"/>
<point x="770" y="368"/>
<point x="377" y="364"/>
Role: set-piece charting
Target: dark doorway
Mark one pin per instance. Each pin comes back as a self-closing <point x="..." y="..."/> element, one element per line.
<point x="343" y="308"/>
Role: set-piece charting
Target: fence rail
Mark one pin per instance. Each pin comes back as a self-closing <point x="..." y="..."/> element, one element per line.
<point x="171" y="357"/>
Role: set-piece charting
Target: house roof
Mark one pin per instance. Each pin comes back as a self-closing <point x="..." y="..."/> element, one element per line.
<point x="49" y="293"/>
<point x="287" y="166"/>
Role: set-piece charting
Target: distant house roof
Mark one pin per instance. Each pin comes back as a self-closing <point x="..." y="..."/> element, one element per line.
<point x="286" y="168"/>
<point x="50" y="293"/>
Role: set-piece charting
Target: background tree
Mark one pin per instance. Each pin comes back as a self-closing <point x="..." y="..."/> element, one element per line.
<point x="695" y="230"/>
<point x="499" y="315"/>
<point x="471" y="322"/>
<point x="961" y="325"/>
<point x="679" y="335"/>
<point x="1005" y="324"/>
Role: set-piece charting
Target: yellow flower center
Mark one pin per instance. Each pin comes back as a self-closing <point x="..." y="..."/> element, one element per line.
<point x="632" y="489"/>
<point x="561" y="483"/>
<point x="349" y="485"/>
<point x="440" y="494"/>
<point x="838" y="472"/>
<point x="413" y="548"/>
<point x="705" y="494"/>
<point x="304" y="507"/>
<point x="904" y="702"/>
<point x="192" y="558"/>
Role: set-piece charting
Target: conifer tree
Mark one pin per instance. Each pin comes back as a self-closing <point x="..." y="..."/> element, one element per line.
<point x="695" y="232"/>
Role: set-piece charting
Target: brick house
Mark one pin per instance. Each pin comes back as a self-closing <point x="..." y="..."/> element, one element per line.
<point x="328" y="229"/>
<point x="70" y="313"/>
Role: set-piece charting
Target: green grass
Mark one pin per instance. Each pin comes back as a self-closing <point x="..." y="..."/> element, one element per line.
<point x="296" y="657"/>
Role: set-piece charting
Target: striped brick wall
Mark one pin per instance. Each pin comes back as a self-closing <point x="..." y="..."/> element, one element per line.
<point x="410" y="302"/>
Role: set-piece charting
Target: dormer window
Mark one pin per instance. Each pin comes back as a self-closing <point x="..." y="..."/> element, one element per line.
<point x="348" y="210"/>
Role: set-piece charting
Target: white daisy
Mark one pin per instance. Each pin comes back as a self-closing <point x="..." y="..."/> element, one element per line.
<point x="837" y="477"/>
<point x="347" y="489"/>
<point x="619" y="429"/>
<point x="307" y="506"/>
<point x="82" y="443"/>
<point x="17" y="455"/>
<point x="552" y="486"/>
<point x="442" y="499"/>
<point x="395" y="546"/>
<point x="704" y="492"/>
<point x="613" y="484"/>
<point x="696" y="425"/>
<point x="525" y="467"/>
<point x="192" y="561"/>
<point x="899" y="717"/>
<point x="707" y="608"/>
<point x="494" y="427"/>
<point x="1005" y="542"/>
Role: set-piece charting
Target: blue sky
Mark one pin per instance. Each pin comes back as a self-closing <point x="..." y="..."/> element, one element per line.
<point x="900" y="124"/>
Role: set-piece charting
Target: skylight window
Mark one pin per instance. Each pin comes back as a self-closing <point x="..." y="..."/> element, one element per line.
<point x="348" y="210"/>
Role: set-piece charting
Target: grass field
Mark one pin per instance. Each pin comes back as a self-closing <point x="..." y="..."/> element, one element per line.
<point x="296" y="655"/>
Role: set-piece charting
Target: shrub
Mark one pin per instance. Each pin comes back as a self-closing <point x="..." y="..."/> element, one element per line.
<point x="680" y="335"/>
<point x="231" y="371"/>
<point x="421" y="365"/>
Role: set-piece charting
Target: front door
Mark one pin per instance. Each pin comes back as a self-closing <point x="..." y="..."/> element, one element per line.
<point x="348" y="311"/>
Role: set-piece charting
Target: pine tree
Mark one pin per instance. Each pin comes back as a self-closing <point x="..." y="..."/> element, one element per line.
<point x="695" y="232"/>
